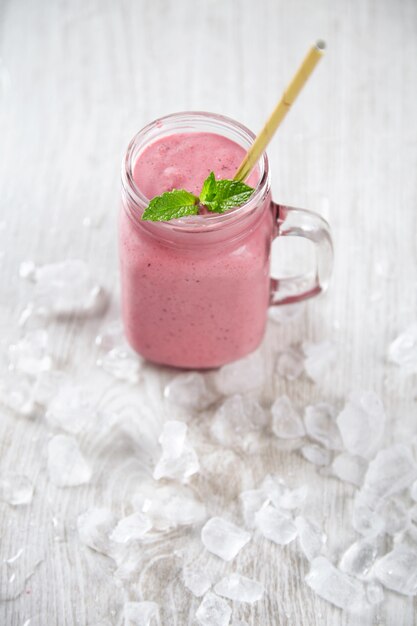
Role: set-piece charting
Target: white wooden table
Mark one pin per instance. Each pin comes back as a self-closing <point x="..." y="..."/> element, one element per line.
<point x="77" y="79"/>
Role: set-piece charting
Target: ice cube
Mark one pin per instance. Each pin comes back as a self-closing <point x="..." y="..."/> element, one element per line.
<point x="179" y="460"/>
<point x="122" y="363"/>
<point x="275" y="525"/>
<point x="66" y="465"/>
<point x="47" y="385"/>
<point x="71" y="409"/>
<point x="365" y="519"/>
<point x="374" y="593"/>
<point x="292" y="498"/>
<point x="172" y="438"/>
<point x="320" y="358"/>
<point x="189" y="391"/>
<point x="273" y="487"/>
<point x="17" y="393"/>
<point x="397" y="570"/>
<point x="94" y="528"/>
<point x="241" y="376"/>
<point x="362" y="423"/>
<point x="66" y="288"/>
<point x="316" y="454"/>
<point x="15" y="489"/>
<point x="111" y="336"/>
<point x="182" y="511"/>
<point x="359" y="558"/>
<point x="310" y="537"/>
<point x="213" y="611"/>
<point x="335" y="586"/>
<point x="286" y="423"/>
<point x="130" y="528"/>
<point x="320" y="424"/>
<point x="239" y="588"/>
<point x="349" y="468"/>
<point x="252" y="500"/>
<point x="235" y="418"/>
<point x="141" y="613"/>
<point x="177" y="468"/>
<point x="196" y="580"/>
<point x="30" y="354"/>
<point x="391" y="471"/>
<point x="169" y="507"/>
<point x="130" y="561"/>
<point x="395" y="515"/>
<point x="403" y="350"/>
<point x="290" y="363"/>
<point x="250" y="412"/>
<point x="223" y="538"/>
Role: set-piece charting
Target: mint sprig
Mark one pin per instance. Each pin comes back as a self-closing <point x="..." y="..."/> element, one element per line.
<point x="220" y="195"/>
<point x="217" y="196"/>
<point x="171" y="205"/>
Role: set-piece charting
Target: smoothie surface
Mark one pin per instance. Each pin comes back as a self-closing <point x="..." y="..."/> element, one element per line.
<point x="184" y="160"/>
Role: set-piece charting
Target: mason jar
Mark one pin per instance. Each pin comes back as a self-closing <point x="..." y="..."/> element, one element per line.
<point x="195" y="291"/>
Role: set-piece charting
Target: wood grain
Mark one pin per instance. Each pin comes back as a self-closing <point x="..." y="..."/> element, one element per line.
<point x="77" y="79"/>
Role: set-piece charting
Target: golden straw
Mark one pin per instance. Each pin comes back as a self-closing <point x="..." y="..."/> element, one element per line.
<point x="290" y="94"/>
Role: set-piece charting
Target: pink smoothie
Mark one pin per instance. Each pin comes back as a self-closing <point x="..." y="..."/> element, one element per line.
<point x="193" y="300"/>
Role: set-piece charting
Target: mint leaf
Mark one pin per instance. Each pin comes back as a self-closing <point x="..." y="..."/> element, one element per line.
<point x="171" y="205"/>
<point x="217" y="195"/>
<point x="208" y="191"/>
<point x="220" y="195"/>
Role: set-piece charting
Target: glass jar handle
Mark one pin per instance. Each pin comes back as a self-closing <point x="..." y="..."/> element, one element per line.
<point x="302" y="223"/>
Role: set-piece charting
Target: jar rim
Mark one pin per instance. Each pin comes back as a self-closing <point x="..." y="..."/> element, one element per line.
<point x="195" y="223"/>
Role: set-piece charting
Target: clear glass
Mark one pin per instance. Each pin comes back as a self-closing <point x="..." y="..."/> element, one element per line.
<point x="195" y="291"/>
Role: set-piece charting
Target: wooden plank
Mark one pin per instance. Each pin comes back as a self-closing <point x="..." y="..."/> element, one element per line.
<point x="77" y="79"/>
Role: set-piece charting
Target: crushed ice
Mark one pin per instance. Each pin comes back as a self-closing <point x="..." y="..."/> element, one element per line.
<point x="213" y="610"/>
<point x="239" y="588"/>
<point x="346" y="444"/>
<point x="196" y="580"/>
<point x="190" y="391"/>
<point x="319" y="359"/>
<point x="286" y="422"/>
<point x="15" y="489"/>
<point x="67" y="288"/>
<point x="335" y="586"/>
<point x="223" y="538"/>
<point x="179" y="460"/>
<point x="67" y="466"/>
<point x="235" y="419"/>
<point x="403" y="350"/>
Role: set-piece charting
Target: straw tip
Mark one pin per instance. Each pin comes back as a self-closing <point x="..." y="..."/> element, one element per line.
<point x="320" y="44"/>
